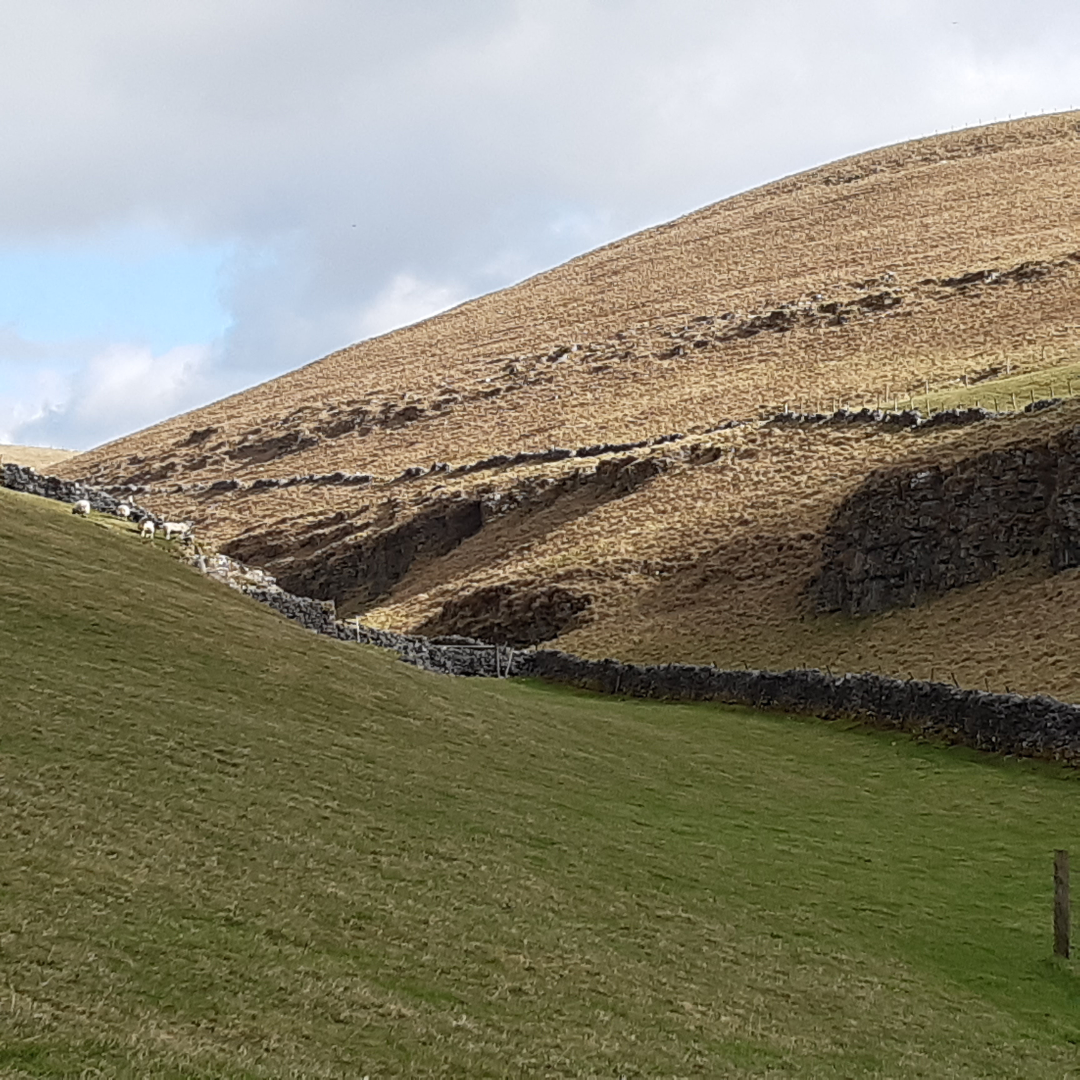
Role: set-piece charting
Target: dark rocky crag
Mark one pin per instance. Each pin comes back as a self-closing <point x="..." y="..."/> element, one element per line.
<point x="359" y="561"/>
<point x="518" y="613"/>
<point x="906" y="535"/>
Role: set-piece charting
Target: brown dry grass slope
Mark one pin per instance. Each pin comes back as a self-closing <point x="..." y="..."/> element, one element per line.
<point x="946" y="266"/>
<point x="37" y="457"/>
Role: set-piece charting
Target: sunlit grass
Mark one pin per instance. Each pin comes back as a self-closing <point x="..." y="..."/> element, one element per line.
<point x="1006" y="394"/>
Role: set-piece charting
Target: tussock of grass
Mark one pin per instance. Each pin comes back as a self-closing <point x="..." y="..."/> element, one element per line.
<point x="235" y="849"/>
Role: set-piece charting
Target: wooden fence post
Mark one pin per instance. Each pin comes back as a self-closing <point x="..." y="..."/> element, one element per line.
<point x="1061" y="903"/>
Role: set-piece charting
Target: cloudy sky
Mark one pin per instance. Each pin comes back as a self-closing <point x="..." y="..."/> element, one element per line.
<point x="198" y="195"/>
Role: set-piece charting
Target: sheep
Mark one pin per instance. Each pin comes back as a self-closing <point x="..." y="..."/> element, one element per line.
<point x="179" y="529"/>
<point x="82" y="508"/>
<point x="147" y="530"/>
<point x="123" y="511"/>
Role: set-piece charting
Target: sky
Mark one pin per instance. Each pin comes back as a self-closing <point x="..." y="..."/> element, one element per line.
<point x="198" y="196"/>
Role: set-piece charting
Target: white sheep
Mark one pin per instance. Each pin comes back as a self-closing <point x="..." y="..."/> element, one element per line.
<point x="82" y="508"/>
<point x="123" y="511"/>
<point x="147" y="531"/>
<point x="181" y="530"/>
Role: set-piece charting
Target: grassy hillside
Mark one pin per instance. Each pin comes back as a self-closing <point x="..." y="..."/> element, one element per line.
<point x="37" y="457"/>
<point x="712" y="563"/>
<point x="939" y="272"/>
<point x="233" y="849"/>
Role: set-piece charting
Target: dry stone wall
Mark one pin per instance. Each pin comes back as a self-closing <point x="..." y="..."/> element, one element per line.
<point x="1035" y="726"/>
<point x="29" y="481"/>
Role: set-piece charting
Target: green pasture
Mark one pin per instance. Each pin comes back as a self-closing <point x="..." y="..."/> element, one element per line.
<point x="234" y="849"/>
<point x="1006" y="394"/>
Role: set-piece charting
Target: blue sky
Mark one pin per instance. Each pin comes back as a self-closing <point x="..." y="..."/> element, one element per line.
<point x="126" y="301"/>
<point x="147" y="289"/>
<point x="197" y="197"/>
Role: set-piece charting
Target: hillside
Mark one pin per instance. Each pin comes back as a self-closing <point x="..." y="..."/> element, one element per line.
<point x="37" y="457"/>
<point x="236" y="849"/>
<point x="559" y="454"/>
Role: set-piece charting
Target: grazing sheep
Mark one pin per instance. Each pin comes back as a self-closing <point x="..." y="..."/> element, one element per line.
<point x="82" y="508"/>
<point x="123" y="511"/>
<point x="147" y="531"/>
<point x="181" y="530"/>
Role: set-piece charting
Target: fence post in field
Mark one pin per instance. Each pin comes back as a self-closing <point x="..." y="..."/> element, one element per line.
<point x="497" y="662"/>
<point x="1061" y="903"/>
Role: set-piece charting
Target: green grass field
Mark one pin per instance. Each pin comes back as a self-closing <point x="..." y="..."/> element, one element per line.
<point x="1005" y="394"/>
<point x="233" y="849"/>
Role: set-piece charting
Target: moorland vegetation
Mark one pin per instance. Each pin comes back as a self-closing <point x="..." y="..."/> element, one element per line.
<point x="36" y="457"/>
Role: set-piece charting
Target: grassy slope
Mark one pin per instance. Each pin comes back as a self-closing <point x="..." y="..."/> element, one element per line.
<point x="235" y="849"/>
<point x="1005" y="393"/>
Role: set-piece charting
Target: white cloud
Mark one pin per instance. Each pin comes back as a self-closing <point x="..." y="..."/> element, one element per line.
<point x="406" y="299"/>
<point x="120" y="389"/>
